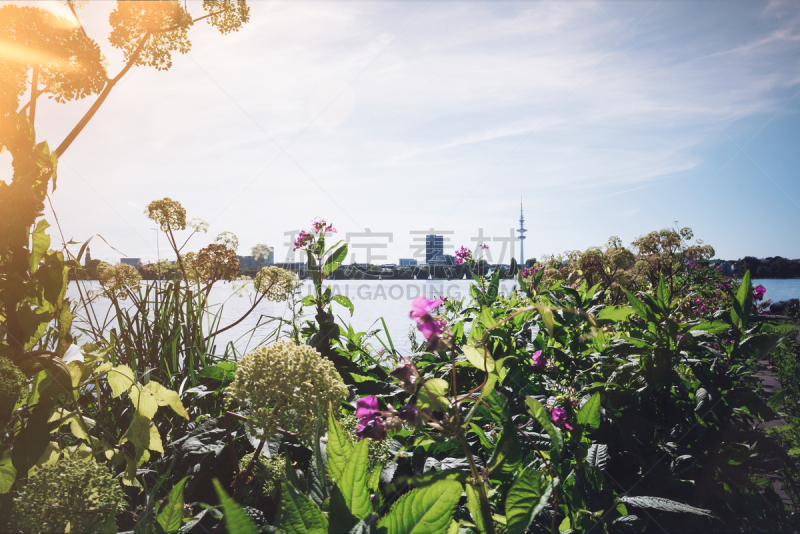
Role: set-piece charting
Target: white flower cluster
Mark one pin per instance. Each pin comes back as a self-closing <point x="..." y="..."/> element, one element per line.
<point x="278" y="284"/>
<point x="286" y="386"/>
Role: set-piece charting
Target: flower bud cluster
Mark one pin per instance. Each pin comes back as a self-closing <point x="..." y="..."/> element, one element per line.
<point x="13" y="385"/>
<point x="74" y="493"/>
<point x="267" y="475"/>
<point x="286" y="386"/>
<point x="116" y="278"/>
<point x="276" y="283"/>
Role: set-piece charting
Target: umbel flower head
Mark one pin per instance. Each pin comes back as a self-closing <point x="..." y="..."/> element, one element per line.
<point x="278" y="284"/>
<point x="115" y="279"/>
<point x="168" y="213"/>
<point x="75" y="493"/>
<point x="286" y="386"/>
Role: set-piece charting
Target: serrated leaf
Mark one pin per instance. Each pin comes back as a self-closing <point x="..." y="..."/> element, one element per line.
<point x="589" y="415"/>
<point x="120" y="379"/>
<point x="479" y="357"/>
<point x="597" y="456"/>
<point x="425" y="510"/>
<point x="339" y="447"/>
<point x="353" y="482"/>
<point x="528" y="496"/>
<point x="299" y="515"/>
<point x="474" y="505"/>
<point x="665" y="505"/>
<point x="236" y="520"/>
<point x="166" y="397"/>
<point x="170" y="516"/>
<point x="539" y="413"/>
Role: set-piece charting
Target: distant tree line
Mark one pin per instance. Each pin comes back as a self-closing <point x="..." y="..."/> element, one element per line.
<point x="774" y="267"/>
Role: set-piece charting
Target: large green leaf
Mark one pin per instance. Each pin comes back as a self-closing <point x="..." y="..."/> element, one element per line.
<point x="170" y="516"/>
<point x="615" y="313"/>
<point x="353" y="482"/>
<point x="120" y="379"/>
<point x="589" y="415"/>
<point x="741" y="306"/>
<point x="318" y="488"/>
<point x="40" y="242"/>
<point x="432" y="389"/>
<point x="662" y="295"/>
<point x="236" y="520"/>
<point x="7" y="473"/>
<point x="346" y="302"/>
<point x="479" y="357"/>
<point x="474" y="505"/>
<point x="299" y="514"/>
<point x="425" y="510"/>
<point x="339" y="447"/>
<point x="539" y="413"/>
<point x="527" y="497"/>
<point x="335" y="260"/>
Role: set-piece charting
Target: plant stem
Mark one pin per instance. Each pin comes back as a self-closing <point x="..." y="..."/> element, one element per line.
<point x="480" y="485"/>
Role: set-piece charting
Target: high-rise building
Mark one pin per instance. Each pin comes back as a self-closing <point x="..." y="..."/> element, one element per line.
<point x="521" y="230"/>
<point x="408" y="262"/>
<point x="434" y="249"/>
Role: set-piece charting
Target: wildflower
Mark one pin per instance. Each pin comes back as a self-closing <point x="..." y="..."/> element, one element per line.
<point x="559" y="416"/>
<point x="539" y="362"/>
<point x="407" y="375"/>
<point x="433" y="328"/>
<point x="302" y="240"/>
<point x="758" y="292"/>
<point x="286" y="386"/>
<point x="410" y="414"/>
<point x="462" y="255"/>
<point x="370" y="423"/>
<point x="330" y="228"/>
<point x="277" y="284"/>
<point x="484" y="246"/>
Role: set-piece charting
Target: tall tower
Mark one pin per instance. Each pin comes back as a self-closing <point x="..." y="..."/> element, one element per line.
<point x="88" y="257"/>
<point x="521" y="231"/>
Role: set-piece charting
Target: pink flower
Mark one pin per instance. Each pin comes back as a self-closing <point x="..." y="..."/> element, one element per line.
<point x="330" y="228"/>
<point x="538" y="362"/>
<point x="758" y="292"/>
<point x="406" y="375"/>
<point x="559" y="416"/>
<point x="462" y="255"/>
<point x="370" y="424"/>
<point x="484" y="246"/>
<point x="434" y="329"/>
<point x="302" y="239"/>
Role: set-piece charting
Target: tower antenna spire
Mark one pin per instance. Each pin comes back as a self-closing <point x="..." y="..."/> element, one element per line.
<point x="521" y="230"/>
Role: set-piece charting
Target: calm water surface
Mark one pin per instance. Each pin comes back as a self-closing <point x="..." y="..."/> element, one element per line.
<point x="373" y="300"/>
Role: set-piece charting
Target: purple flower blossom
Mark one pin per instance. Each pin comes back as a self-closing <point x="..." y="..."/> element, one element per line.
<point x="406" y="375"/>
<point x="302" y="239"/>
<point x="539" y="364"/>
<point x="434" y="330"/>
<point x="462" y="255"/>
<point x="410" y="414"/>
<point x="758" y="292"/>
<point x="484" y="246"/>
<point x="370" y="424"/>
<point x="559" y="416"/>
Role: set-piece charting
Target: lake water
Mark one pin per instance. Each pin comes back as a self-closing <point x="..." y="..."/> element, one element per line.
<point x="373" y="300"/>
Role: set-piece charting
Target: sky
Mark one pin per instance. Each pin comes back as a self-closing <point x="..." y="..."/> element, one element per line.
<point x="603" y="118"/>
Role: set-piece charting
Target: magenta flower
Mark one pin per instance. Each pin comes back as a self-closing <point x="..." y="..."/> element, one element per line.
<point x="420" y="312"/>
<point x="410" y="414"/>
<point x="370" y="424"/>
<point x="758" y="292"/>
<point x="484" y="246"/>
<point x="407" y="375"/>
<point x="330" y="228"/>
<point x="302" y="239"/>
<point x="462" y="255"/>
<point x="539" y="364"/>
<point x="559" y="416"/>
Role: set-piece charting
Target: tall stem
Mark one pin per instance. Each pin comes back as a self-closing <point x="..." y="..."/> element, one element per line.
<point x="480" y="485"/>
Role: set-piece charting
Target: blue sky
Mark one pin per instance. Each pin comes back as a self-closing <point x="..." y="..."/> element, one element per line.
<point x="607" y="118"/>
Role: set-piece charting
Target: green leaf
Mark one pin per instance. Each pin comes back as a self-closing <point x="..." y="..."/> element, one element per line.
<point x="318" y="488"/>
<point x="7" y="473"/>
<point x="589" y="415"/>
<point x="539" y="413"/>
<point x="744" y="299"/>
<point x="432" y="389"/>
<point x="665" y="505"/>
<point x="299" y="514"/>
<point x="339" y="447"/>
<point x="353" y="482"/>
<point x="170" y="516"/>
<point x="615" y="313"/>
<point x="474" y="506"/>
<point x="425" y="510"/>
<point x="346" y="302"/>
<point x="236" y="520"/>
<point x="527" y="497"/>
<point x="335" y="260"/>
<point x="308" y="300"/>
<point x="507" y="455"/>
<point x="479" y="357"/>
<point x="547" y="319"/>
<point x="143" y="402"/>
<point x="166" y="397"/>
<point x="40" y="242"/>
<point x="637" y="305"/>
<point x="662" y="294"/>
<point x="120" y="379"/>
